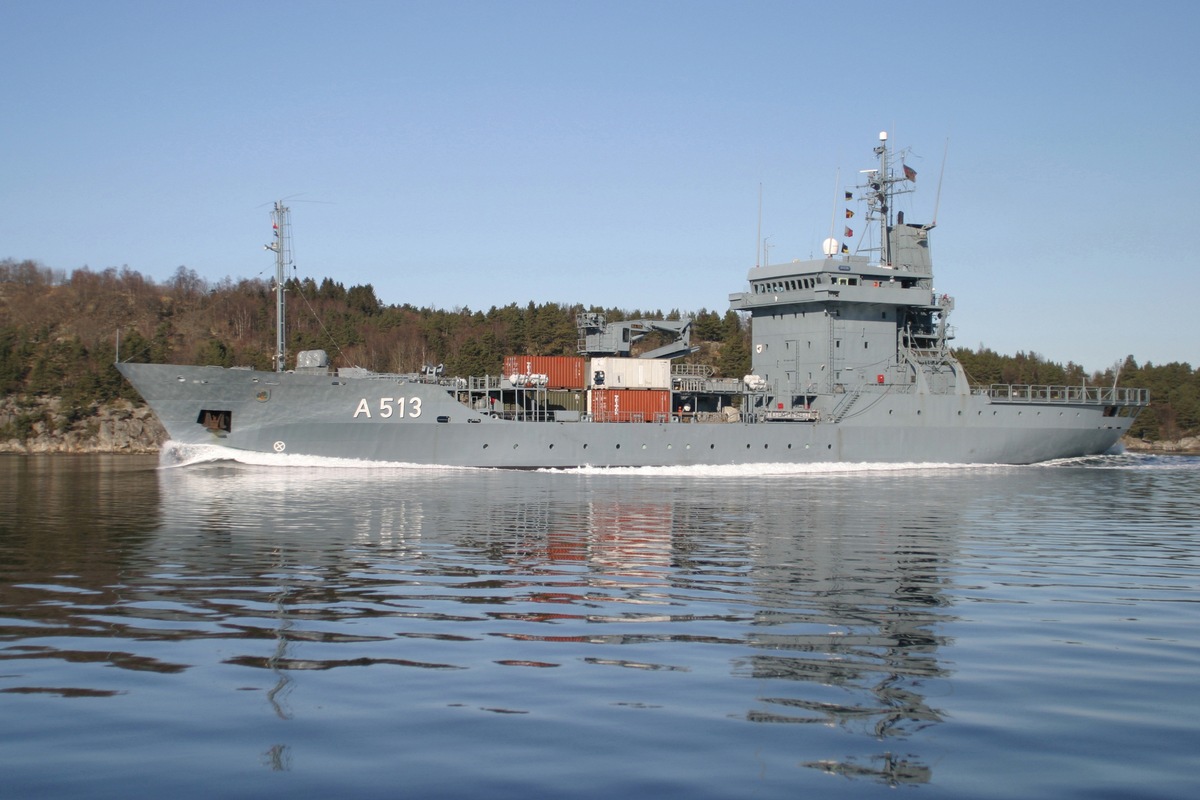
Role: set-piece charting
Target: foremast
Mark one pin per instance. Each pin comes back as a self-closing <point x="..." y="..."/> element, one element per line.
<point x="281" y="224"/>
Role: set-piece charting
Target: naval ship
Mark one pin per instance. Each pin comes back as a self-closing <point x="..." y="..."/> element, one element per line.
<point x="851" y="362"/>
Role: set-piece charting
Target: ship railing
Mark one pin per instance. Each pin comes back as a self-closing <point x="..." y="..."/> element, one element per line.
<point x="792" y="415"/>
<point x="692" y="370"/>
<point x="1069" y="395"/>
<point x="684" y="383"/>
<point x="524" y="415"/>
<point x="926" y="356"/>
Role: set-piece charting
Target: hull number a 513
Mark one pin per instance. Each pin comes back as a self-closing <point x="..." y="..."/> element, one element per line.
<point x="398" y="407"/>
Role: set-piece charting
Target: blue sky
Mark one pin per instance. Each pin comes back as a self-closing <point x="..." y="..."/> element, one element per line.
<point x="482" y="153"/>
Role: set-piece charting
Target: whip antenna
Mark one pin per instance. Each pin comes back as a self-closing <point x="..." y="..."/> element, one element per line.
<point x="938" y="197"/>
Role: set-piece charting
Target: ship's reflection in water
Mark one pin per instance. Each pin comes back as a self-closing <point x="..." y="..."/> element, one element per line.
<point x="809" y="600"/>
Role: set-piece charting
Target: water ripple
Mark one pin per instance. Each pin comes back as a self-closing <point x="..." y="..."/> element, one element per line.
<point x="910" y="626"/>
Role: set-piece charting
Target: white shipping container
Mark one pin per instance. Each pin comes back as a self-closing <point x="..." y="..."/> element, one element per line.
<point x="630" y="373"/>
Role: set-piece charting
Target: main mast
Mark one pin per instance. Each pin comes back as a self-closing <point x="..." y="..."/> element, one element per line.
<point x="879" y="193"/>
<point x="881" y="187"/>
<point x="282" y="246"/>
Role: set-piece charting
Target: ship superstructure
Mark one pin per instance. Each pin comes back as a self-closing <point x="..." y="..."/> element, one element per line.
<point x="830" y="331"/>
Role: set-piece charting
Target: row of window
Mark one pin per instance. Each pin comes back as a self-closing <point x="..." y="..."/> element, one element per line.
<point x="793" y="284"/>
<point x="767" y="287"/>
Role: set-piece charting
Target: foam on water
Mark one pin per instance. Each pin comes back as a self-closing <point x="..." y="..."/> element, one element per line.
<point x="772" y="470"/>
<point x="179" y="454"/>
<point x="1122" y="460"/>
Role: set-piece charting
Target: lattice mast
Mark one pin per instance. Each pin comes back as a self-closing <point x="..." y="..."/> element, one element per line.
<point x="880" y="190"/>
<point x="281" y="224"/>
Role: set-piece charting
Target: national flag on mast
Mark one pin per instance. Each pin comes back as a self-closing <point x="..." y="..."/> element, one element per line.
<point x="910" y="173"/>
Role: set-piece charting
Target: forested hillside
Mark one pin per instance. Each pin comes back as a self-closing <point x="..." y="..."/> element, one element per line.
<point x="58" y="338"/>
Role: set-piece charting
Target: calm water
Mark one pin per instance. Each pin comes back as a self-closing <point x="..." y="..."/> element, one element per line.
<point x="258" y="631"/>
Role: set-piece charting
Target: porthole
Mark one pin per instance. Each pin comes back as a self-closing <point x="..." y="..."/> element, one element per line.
<point x="643" y="446"/>
<point x="485" y="447"/>
<point x="712" y="447"/>
<point x="585" y="446"/>
<point x="551" y="445"/>
<point x="618" y="445"/>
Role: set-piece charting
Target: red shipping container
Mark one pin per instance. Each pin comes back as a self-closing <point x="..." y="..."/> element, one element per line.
<point x="630" y="405"/>
<point x="562" y="372"/>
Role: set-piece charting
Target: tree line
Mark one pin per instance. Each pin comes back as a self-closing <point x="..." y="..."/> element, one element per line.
<point x="59" y="337"/>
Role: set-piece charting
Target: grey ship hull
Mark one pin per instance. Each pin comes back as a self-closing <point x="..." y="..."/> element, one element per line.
<point x="390" y="419"/>
<point x="850" y="356"/>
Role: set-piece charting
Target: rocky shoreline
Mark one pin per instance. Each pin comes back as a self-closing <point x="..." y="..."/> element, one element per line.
<point x="40" y="425"/>
<point x="1187" y="446"/>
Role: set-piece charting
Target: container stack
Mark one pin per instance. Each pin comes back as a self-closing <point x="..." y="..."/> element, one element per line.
<point x="629" y="390"/>
<point x="563" y="377"/>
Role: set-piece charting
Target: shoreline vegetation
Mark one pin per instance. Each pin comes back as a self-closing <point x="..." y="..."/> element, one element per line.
<point x="59" y="391"/>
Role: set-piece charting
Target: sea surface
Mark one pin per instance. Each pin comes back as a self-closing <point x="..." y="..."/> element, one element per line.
<point x="175" y="627"/>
